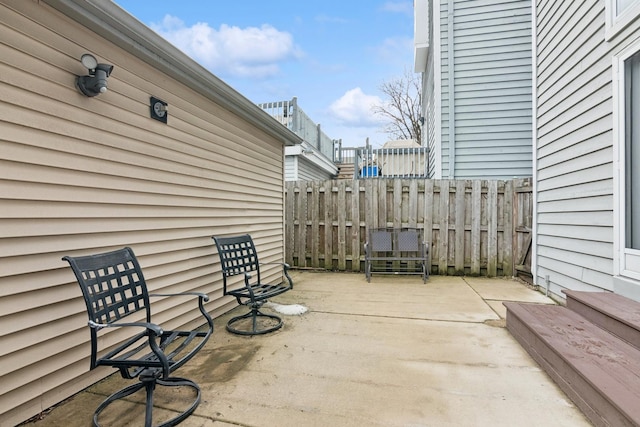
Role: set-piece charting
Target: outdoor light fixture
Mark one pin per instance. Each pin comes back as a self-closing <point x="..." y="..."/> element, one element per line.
<point x="96" y="82"/>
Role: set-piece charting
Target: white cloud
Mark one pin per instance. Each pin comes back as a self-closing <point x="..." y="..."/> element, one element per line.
<point x="354" y="108"/>
<point x="230" y="50"/>
<point x="398" y="7"/>
<point x="395" y="49"/>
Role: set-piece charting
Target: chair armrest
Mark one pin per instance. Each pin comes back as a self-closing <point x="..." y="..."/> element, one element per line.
<point x="283" y="264"/>
<point x="247" y="284"/>
<point x="285" y="267"/>
<point x="155" y="329"/>
<point x="202" y="298"/>
<point x="205" y="297"/>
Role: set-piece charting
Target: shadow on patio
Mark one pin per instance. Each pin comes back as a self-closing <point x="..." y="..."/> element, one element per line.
<point x="393" y="352"/>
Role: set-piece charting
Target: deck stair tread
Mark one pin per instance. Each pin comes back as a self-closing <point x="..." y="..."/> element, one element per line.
<point x="599" y="371"/>
<point x="613" y="312"/>
<point x="346" y="171"/>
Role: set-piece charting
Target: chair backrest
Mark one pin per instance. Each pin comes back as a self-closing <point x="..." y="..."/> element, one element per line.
<point x="381" y="240"/>
<point x="112" y="284"/>
<point x="237" y="256"/>
<point x="113" y="287"/>
<point x="409" y="240"/>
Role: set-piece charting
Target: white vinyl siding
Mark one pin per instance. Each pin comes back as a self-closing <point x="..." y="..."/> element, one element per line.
<point x="576" y="197"/>
<point x="291" y="165"/>
<point x="311" y="172"/>
<point x="298" y="168"/>
<point x="82" y="175"/>
<point x="490" y="132"/>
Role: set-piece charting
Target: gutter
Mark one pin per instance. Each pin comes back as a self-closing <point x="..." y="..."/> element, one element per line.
<point x="116" y="25"/>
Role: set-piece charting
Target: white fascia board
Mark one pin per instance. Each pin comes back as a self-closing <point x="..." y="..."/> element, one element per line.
<point x="306" y="152"/>
<point x="420" y="34"/>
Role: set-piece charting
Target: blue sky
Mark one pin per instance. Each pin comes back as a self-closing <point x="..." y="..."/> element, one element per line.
<point x="332" y="55"/>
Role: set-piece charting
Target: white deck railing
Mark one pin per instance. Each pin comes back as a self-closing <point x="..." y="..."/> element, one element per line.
<point x="290" y="115"/>
<point x="412" y="162"/>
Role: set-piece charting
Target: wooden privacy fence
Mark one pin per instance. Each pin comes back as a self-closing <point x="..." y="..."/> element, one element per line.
<point x="480" y="227"/>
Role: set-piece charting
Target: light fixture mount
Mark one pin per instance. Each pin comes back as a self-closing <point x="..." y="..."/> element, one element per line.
<point x="158" y="109"/>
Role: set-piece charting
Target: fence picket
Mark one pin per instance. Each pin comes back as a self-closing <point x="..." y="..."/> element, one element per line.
<point x="492" y="229"/>
<point x="460" y="211"/>
<point x="443" y="234"/>
<point x="342" y="225"/>
<point x="476" y="231"/>
<point x="355" y="226"/>
<point x="315" y="224"/>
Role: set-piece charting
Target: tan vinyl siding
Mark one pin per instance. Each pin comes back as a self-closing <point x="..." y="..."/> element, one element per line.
<point x="81" y="175"/>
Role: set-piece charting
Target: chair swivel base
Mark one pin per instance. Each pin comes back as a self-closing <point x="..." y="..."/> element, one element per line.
<point x="150" y="385"/>
<point x="254" y="314"/>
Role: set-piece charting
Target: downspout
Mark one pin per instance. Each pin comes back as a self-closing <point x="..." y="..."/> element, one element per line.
<point x="534" y="144"/>
<point x="451" y="75"/>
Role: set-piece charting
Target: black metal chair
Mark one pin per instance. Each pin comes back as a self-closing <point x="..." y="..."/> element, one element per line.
<point x="114" y="290"/>
<point x="238" y="256"/>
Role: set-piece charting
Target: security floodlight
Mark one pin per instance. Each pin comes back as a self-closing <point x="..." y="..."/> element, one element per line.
<point x="96" y="82"/>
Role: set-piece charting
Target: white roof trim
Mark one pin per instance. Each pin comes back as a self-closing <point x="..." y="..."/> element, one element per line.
<point x="306" y="152"/>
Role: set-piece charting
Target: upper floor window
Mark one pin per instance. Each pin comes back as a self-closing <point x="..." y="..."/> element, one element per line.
<point x="619" y="14"/>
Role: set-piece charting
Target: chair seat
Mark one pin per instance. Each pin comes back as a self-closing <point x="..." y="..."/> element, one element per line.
<point x="133" y="357"/>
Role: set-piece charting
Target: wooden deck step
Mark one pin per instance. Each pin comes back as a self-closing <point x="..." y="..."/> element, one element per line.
<point x="597" y="370"/>
<point x="615" y="313"/>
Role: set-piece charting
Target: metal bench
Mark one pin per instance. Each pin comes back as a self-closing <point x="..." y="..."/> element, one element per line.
<point x="116" y="296"/>
<point x="396" y="251"/>
<point x="238" y="256"/>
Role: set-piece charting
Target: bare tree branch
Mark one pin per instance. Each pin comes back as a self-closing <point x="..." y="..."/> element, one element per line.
<point x="401" y="107"/>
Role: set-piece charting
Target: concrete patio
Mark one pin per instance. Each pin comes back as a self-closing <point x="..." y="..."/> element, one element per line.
<point x="393" y="352"/>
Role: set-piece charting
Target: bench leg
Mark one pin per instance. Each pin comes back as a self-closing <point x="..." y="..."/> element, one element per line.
<point x="367" y="270"/>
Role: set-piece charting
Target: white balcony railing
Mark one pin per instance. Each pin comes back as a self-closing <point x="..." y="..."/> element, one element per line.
<point x="290" y="115"/>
